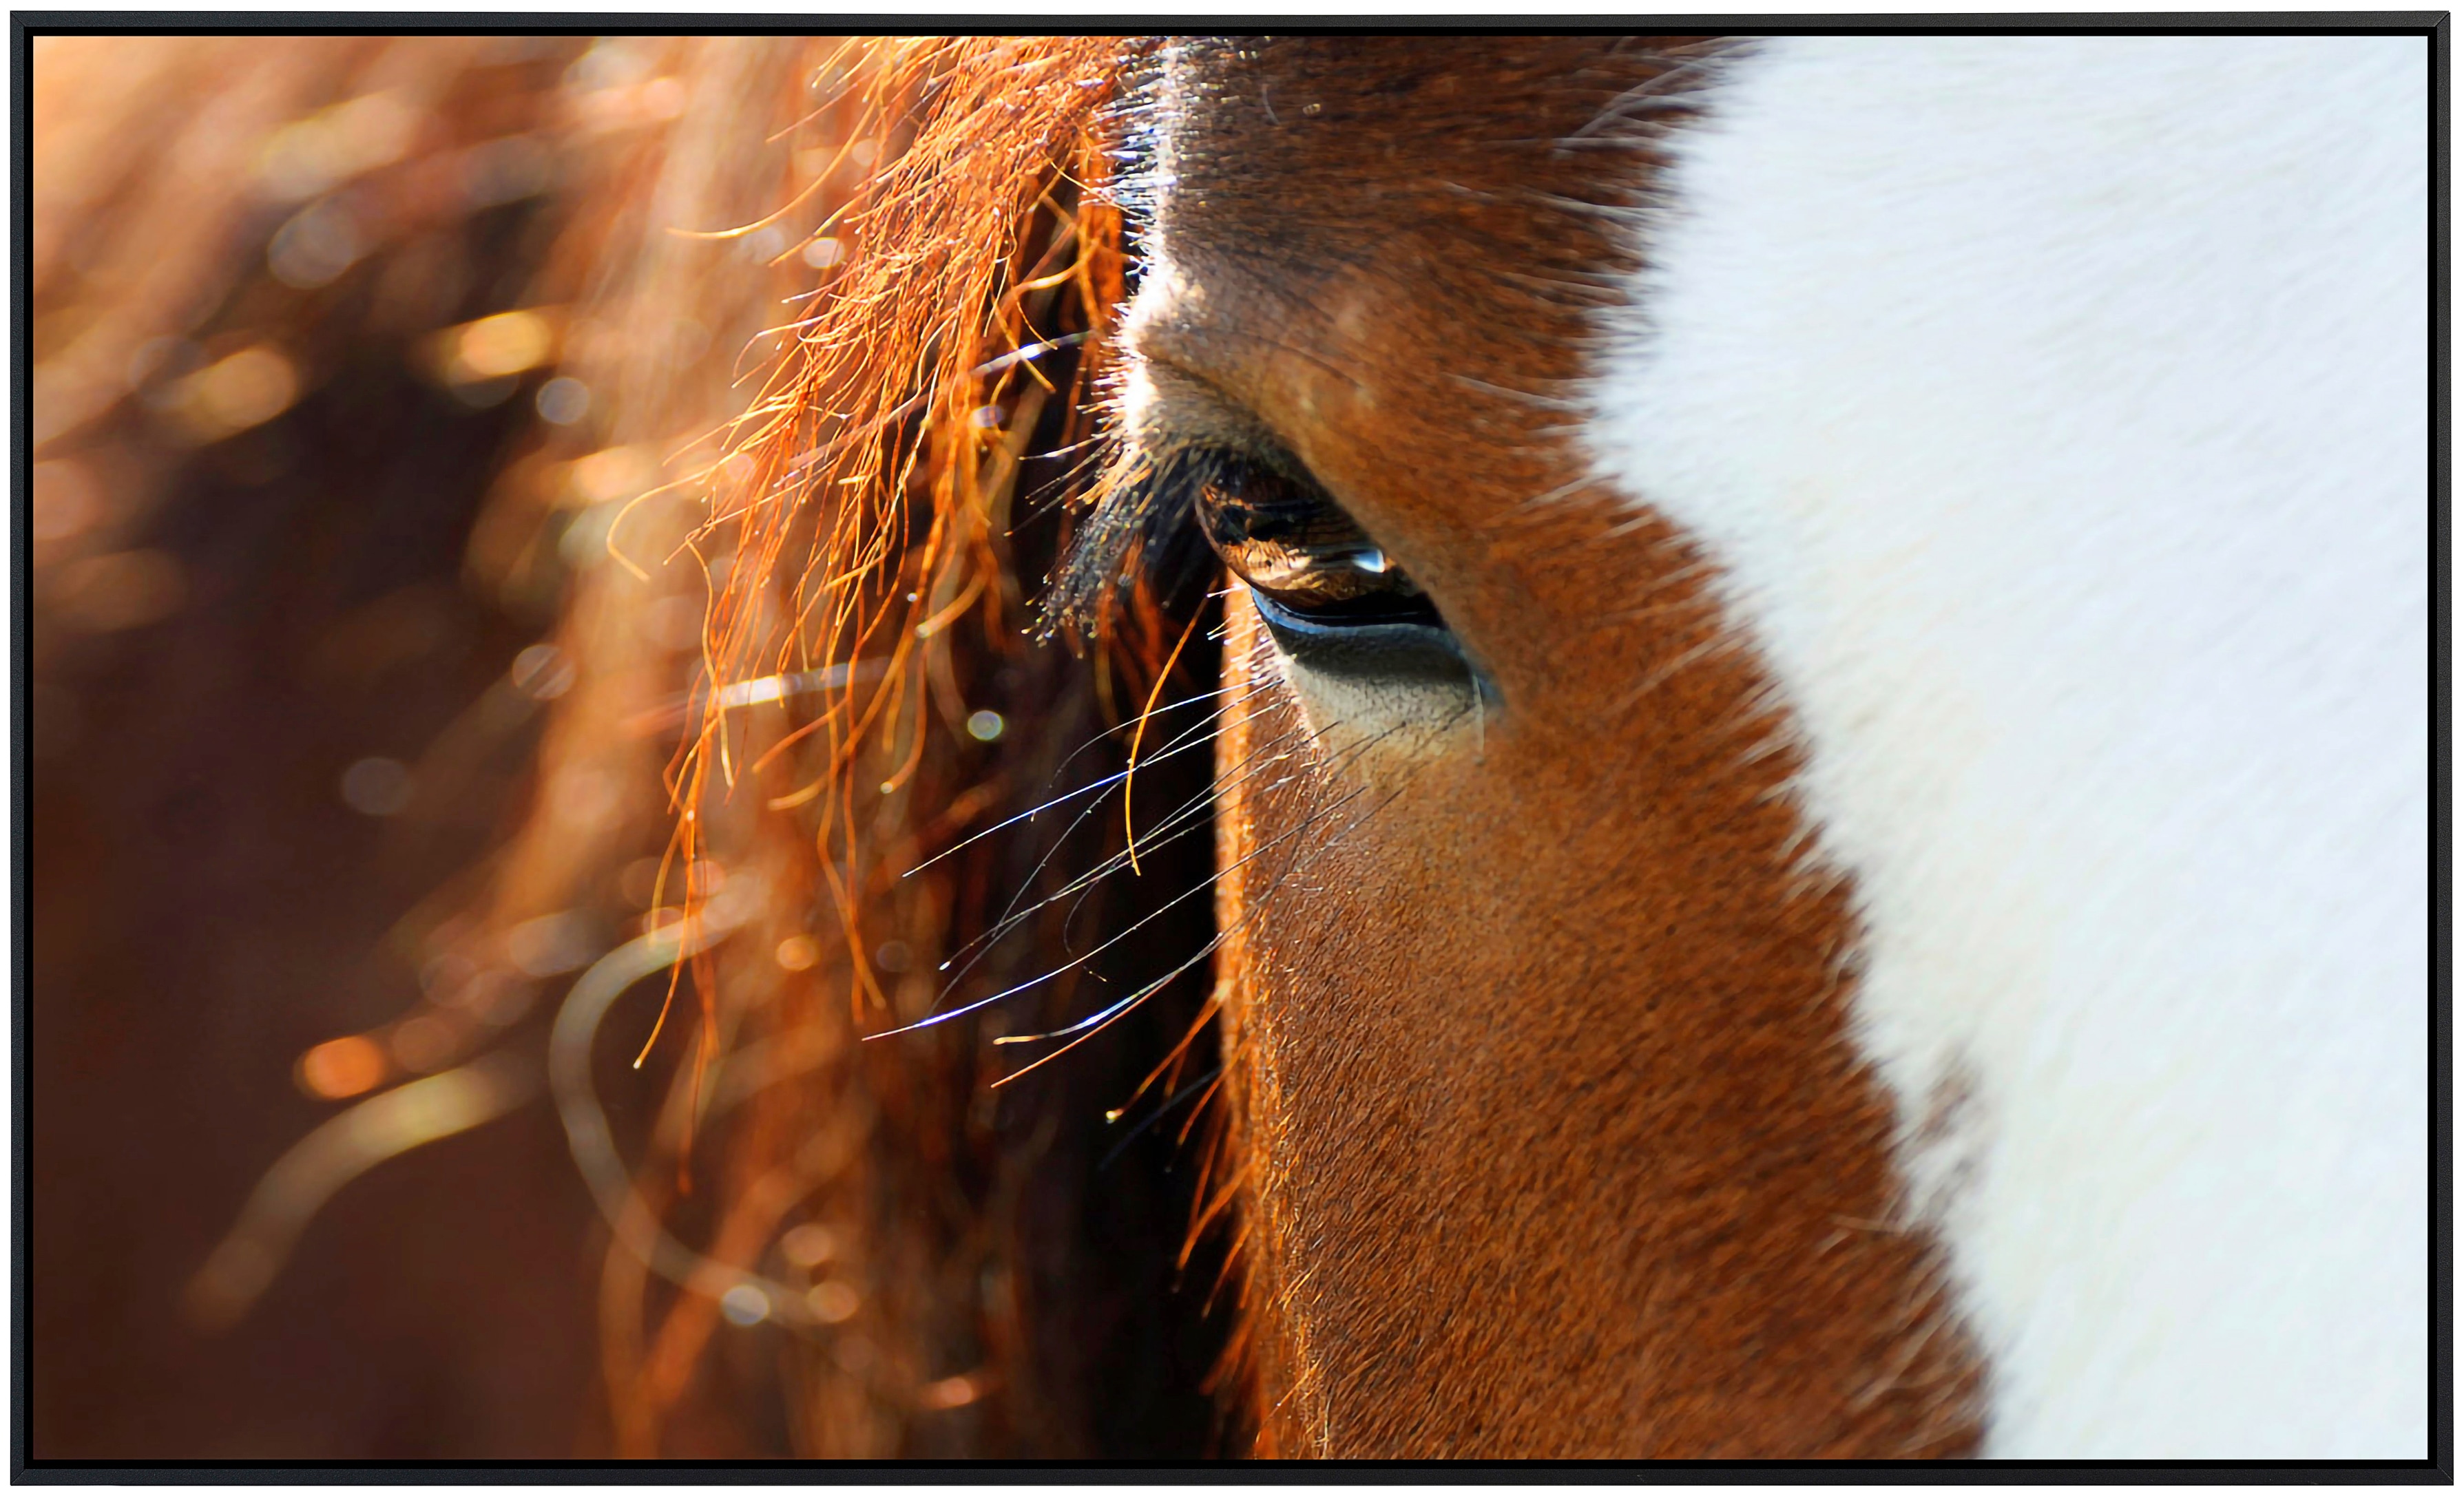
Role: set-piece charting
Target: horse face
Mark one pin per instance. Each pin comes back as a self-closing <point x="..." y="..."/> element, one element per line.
<point x="1953" y="815"/>
<point x="1555" y="1144"/>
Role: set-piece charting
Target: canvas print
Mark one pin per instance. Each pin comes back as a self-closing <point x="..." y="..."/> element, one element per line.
<point x="1353" y="744"/>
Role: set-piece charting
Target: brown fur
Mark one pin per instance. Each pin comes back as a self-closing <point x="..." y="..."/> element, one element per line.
<point x="1554" y="1143"/>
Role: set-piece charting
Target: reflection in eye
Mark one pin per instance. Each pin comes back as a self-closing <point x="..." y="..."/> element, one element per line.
<point x="1305" y="561"/>
<point x="1294" y="546"/>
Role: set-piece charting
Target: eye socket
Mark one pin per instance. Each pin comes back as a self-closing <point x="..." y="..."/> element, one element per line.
<point x="1297" y="550"/>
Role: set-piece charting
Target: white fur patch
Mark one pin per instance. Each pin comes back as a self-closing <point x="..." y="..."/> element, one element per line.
<point x="2058" y="410"/>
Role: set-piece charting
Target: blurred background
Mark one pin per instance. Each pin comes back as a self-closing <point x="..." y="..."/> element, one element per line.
<point x="347" y="736"/>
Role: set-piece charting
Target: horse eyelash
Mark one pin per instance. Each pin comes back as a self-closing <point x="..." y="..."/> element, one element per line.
<point x="1138" y="531"/>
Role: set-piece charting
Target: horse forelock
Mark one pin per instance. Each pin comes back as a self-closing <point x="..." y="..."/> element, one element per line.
<point x="855" y="700"/>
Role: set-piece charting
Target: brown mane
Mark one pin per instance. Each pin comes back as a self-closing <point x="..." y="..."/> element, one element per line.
<point x="957" y="1242"/>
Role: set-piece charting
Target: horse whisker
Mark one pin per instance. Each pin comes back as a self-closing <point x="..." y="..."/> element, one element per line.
<point x="1013" y="914"/>
<point x="1157" y="913"/>
<point x="1158" y="1114"/>
<point x="1026" y="815"/>
<point x="1096" y="1022"/>
<point x="1011" y="920"/>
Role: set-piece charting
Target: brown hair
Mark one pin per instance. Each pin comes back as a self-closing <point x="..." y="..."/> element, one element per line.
<point x="335" y="275"/>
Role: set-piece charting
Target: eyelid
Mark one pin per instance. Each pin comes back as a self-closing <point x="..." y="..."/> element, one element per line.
<point x="1166" y="409"/>
<point x="1141" y="526"/>
<point x="1184" y="431"/>
<point x="1140" y="529"/>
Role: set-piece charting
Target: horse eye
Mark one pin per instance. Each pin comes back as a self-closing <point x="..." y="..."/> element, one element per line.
<point x="1300" y="553"/>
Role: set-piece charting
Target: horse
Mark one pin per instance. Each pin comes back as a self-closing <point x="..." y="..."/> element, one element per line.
<point x="1817" y="830"/>
<point x="1888" y="912"/>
